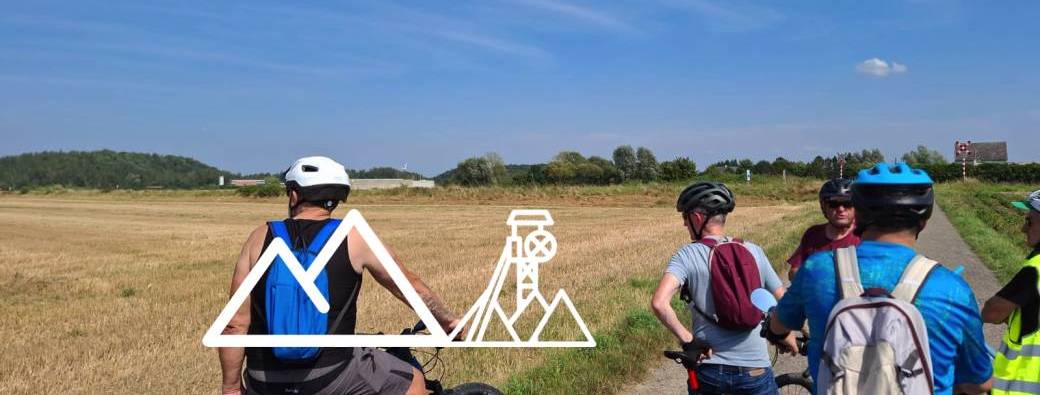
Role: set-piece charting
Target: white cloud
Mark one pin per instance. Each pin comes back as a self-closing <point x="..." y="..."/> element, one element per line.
<point x="880" y="68"/>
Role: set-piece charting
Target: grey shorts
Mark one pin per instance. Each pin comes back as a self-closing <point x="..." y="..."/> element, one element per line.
<point x="371" y="371"/>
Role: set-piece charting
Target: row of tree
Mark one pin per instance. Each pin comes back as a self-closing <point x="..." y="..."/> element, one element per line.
<point x="108" y="169"/>
<point x="111" y="169"/>
<point x="641" y="165"/>
<point x="826" y="167"/>
<point x="570" y="167"/>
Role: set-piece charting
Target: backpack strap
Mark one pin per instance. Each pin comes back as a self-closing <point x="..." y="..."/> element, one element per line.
<point x="346" y="306"/>
<point x="846" y="267"/>
<point x="711" y="242"/>
<point x="913" y="277"/>
<point x="278" y="230"/>
<point x="322" y="237"/>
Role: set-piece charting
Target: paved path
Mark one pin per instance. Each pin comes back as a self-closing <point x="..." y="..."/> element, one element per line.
<point x="939" y="241"/>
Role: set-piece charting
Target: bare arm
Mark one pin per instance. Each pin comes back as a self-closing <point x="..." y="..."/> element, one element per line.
<point x="997" y="310"/>
<point x="661" y="303"/>
<point x="790" y="343"/>
<point x="231" y="358"/>
<point x="363" y="258"/>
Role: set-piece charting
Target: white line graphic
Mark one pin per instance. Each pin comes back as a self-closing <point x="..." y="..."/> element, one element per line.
<point x="523" y="253"/>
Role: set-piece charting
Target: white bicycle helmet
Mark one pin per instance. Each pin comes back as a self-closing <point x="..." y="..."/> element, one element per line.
<point x="318" y="179"/>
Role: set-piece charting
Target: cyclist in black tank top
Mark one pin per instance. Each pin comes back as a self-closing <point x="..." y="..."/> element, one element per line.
<point x="315" y="186"/>
<point x="342" y="282"/>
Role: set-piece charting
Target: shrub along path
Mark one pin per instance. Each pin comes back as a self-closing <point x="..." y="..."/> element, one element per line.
<point x="938" y="241"/>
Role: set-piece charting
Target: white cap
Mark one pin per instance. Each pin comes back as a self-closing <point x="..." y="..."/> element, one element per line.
<point x="317" y="170"/>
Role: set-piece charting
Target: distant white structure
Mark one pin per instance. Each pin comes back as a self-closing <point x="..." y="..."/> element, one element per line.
<point x="357" y="184"/>
<point x="389" y="183"/>
<point x="246" y="183"/>
<point x="221" y="181"/>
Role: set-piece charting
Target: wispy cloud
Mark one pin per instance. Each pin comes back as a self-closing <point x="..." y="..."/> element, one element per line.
<point x="405" y="26"/>
<point x="61" y="24"/>
<point x="494" y="43"/>
<point x="730" y="16"/>
<point x="880" y="68"/>
<point x="584" y="14"/>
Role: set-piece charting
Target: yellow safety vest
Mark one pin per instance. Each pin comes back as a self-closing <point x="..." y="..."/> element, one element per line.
<point x="1016" y="367"/>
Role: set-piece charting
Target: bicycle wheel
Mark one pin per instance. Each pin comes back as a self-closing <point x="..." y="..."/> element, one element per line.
<point x="474" y="389"/>
<point x="793" y="384"/>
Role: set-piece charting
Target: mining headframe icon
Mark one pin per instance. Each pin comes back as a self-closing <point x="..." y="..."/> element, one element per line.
<point x="523" y="254"/>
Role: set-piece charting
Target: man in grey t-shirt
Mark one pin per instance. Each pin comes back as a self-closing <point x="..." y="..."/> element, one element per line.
<point x="733" y="362"/>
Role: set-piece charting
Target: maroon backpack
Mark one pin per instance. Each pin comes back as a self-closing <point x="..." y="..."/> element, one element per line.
<point x="734" y="274"/>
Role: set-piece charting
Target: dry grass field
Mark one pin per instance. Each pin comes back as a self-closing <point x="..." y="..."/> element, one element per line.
<point x="110" y="296"/>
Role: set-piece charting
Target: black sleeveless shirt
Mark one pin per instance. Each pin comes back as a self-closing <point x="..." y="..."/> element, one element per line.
<point x="342" y="281"/>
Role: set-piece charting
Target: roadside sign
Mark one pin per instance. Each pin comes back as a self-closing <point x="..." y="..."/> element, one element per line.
<point x="963" y="148"/>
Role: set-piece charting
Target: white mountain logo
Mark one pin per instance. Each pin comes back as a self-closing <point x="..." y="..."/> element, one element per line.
<point x="524" y="254"/>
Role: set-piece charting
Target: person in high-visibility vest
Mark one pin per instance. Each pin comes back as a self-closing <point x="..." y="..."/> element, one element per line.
<point x="1016" y="366"/>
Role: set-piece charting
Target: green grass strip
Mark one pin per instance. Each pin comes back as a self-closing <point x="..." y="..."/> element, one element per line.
<point x="982" y="215"/>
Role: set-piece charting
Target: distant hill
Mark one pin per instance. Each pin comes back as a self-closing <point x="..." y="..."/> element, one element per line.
<point x="112" y="169"/>
<point x="106" y="169"/>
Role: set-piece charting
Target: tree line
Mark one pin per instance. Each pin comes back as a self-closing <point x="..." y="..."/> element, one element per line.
<point x="641" y="165"/>
<point x="107" y="169"/>
<point x="627" y="164"/>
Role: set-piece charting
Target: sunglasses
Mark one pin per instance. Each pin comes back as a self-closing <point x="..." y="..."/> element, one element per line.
<point x="835" y="204"/>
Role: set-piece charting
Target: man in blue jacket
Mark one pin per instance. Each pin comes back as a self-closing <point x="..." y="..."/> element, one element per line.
<point x="893" y="204"/>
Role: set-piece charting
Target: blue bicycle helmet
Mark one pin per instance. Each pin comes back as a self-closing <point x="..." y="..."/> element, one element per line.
<point x="892" y="195"/>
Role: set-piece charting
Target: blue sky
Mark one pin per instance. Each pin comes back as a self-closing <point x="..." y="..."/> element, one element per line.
<point x="249" y="86"/>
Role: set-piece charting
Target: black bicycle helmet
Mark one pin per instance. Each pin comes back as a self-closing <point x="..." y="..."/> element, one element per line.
<point x="836" y="188"/>
<point x="894" y="195"/>
<point x="712" y="198"/>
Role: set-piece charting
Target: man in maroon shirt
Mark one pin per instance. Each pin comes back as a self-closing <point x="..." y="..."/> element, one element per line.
<point x="836" y="203"/>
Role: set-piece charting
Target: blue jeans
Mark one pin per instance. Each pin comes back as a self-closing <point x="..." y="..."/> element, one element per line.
<point x="736" y="380"/>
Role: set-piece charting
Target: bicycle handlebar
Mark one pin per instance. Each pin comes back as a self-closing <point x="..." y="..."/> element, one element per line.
<point x="681" y="358"/>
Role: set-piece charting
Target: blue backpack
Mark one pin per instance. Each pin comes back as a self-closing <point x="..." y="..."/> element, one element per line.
<point x="289" y="310"/>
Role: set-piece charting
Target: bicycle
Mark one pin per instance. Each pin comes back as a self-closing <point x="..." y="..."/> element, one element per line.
<point x="797" y="383"/>
<point x="690" y="364"/>
<point x="434" y="386"/>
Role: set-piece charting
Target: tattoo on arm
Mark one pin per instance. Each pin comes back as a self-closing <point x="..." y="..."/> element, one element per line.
<point x="437" y="307"/>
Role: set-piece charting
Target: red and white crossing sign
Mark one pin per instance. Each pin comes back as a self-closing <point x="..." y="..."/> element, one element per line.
<point x="963" y="147"/>
<point x="963" y="151"/>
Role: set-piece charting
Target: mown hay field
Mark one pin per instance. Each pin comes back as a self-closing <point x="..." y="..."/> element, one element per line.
<point x="106" y="296"/>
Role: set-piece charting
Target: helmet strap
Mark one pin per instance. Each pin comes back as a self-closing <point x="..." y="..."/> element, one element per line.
<point x="292" y="207"/>
<point x="698" y="233"/>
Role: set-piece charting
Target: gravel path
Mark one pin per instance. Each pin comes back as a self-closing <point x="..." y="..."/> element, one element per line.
<point x="939" y="241"/>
